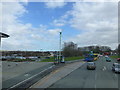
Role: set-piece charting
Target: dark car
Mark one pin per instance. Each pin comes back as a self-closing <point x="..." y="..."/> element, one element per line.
<point x="118" y="59"/>
<point x="116" y="68"/>
<point x="91" y="66"/>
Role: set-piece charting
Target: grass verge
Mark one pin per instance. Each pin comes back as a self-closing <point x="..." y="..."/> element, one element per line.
<point x="21" y="60"/>
<point x="66" y="59"/>
<point x="115" y="56"/>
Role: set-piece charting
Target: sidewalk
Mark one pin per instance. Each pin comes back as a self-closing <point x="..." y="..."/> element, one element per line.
<point x="57" y="74"/>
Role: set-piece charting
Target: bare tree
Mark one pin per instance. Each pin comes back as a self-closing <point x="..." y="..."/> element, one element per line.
<point x="119" y="49"/>
<point x="70" y="49"/>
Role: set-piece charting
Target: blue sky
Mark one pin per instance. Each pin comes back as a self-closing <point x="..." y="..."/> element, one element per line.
<point x="38" y="14"/>
<point x="36" y="25"/>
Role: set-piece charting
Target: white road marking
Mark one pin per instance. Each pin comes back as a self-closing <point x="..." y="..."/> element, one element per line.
<point x="104" y="68"/>
<point x="115" y="75"/>
<point x="95" y="79"/>
<point x="29" y="78"/>
<point x="26" y="75"/>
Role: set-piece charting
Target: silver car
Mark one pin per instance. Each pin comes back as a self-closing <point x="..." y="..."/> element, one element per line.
<point x="91" y="65"/>
<point x="116" y="68"/>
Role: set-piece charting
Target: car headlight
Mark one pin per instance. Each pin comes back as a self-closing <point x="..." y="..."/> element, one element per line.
<point x="116" y="69"/>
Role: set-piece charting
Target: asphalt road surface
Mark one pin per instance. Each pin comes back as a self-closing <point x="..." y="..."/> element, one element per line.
<point x="102" y="77"/>
<point x="14" y="74"/>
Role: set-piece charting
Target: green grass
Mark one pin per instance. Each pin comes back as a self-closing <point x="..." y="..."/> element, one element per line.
<point x="115" y="56"/>
<point x="66" y="59"/>
<point x="22" y="60"/>
<point x="73" y="58"/>
<point x="51" y="59"/>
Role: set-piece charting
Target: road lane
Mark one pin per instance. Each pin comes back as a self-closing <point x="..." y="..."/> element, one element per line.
<point x="73" y="80"/>
<point x="23" y="75"/>
<point x="102" y="77"/>
<point x="105" y="77"/>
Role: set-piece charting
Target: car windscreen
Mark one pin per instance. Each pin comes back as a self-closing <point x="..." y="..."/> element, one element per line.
<point x="91" y="64"/>
<point x="117" y="66"/>
<point x="95" y="55"/>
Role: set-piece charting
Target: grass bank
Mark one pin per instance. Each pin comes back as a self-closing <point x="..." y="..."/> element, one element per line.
<point x="66" y="59"/>
<point x="20" y="60"/>
<point x="115" y="56"/>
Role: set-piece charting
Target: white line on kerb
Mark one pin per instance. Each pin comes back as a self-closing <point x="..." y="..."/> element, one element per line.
<point x="30" y="77"/>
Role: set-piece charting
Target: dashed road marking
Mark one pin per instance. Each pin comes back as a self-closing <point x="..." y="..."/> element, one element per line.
<point x="104" y="68"/>
<point x="26" y="75"/>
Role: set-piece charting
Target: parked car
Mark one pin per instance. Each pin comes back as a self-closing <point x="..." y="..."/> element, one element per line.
<point x="116" y="68"/>
<point x="91" y="66"/>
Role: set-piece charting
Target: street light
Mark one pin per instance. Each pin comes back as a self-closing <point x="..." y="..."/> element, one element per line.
<point x="60" y="47"/>
<point x="3" y="35"/>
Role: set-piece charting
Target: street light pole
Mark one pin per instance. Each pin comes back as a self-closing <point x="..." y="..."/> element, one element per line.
<point x="2" y="35"/>
<point x="60" y="47"/>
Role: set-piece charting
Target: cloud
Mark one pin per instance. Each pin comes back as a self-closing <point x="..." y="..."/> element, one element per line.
<point x="59" y="22"/>
<point x="55" y="4"/>
<point x="12" y="26"/>
<point x="24" y="36"/>
<point x="97" y="21"/>
<point x="54" y="31"/>
<point x="44" y="34"/>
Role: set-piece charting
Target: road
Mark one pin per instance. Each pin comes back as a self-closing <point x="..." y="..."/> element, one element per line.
<point x="102" y="77"/>
<point x="14" y="74"/>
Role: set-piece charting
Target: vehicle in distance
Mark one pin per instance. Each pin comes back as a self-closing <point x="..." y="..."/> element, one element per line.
<point x="118" y="59"/>
<point x="108" y="59"/>
<point x="116" y="68"/>
<point x="91" y="66"/>
<point x="96" y="56"/>
<point x="89" y="58"/>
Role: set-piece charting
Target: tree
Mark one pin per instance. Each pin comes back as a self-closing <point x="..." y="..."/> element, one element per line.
<point x="119" y="49"/>
<point x="70" y="49"/>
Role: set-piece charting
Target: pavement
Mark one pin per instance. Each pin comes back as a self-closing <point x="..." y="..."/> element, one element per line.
<point x="102" y="77"/>
<point x="57" y="75"/>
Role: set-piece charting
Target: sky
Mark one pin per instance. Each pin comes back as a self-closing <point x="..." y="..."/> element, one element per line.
<point x="35" y="26"/>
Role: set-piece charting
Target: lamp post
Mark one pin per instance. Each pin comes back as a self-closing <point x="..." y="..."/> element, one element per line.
<point x="60" y="47"/>
<point x="3" y="35"/>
